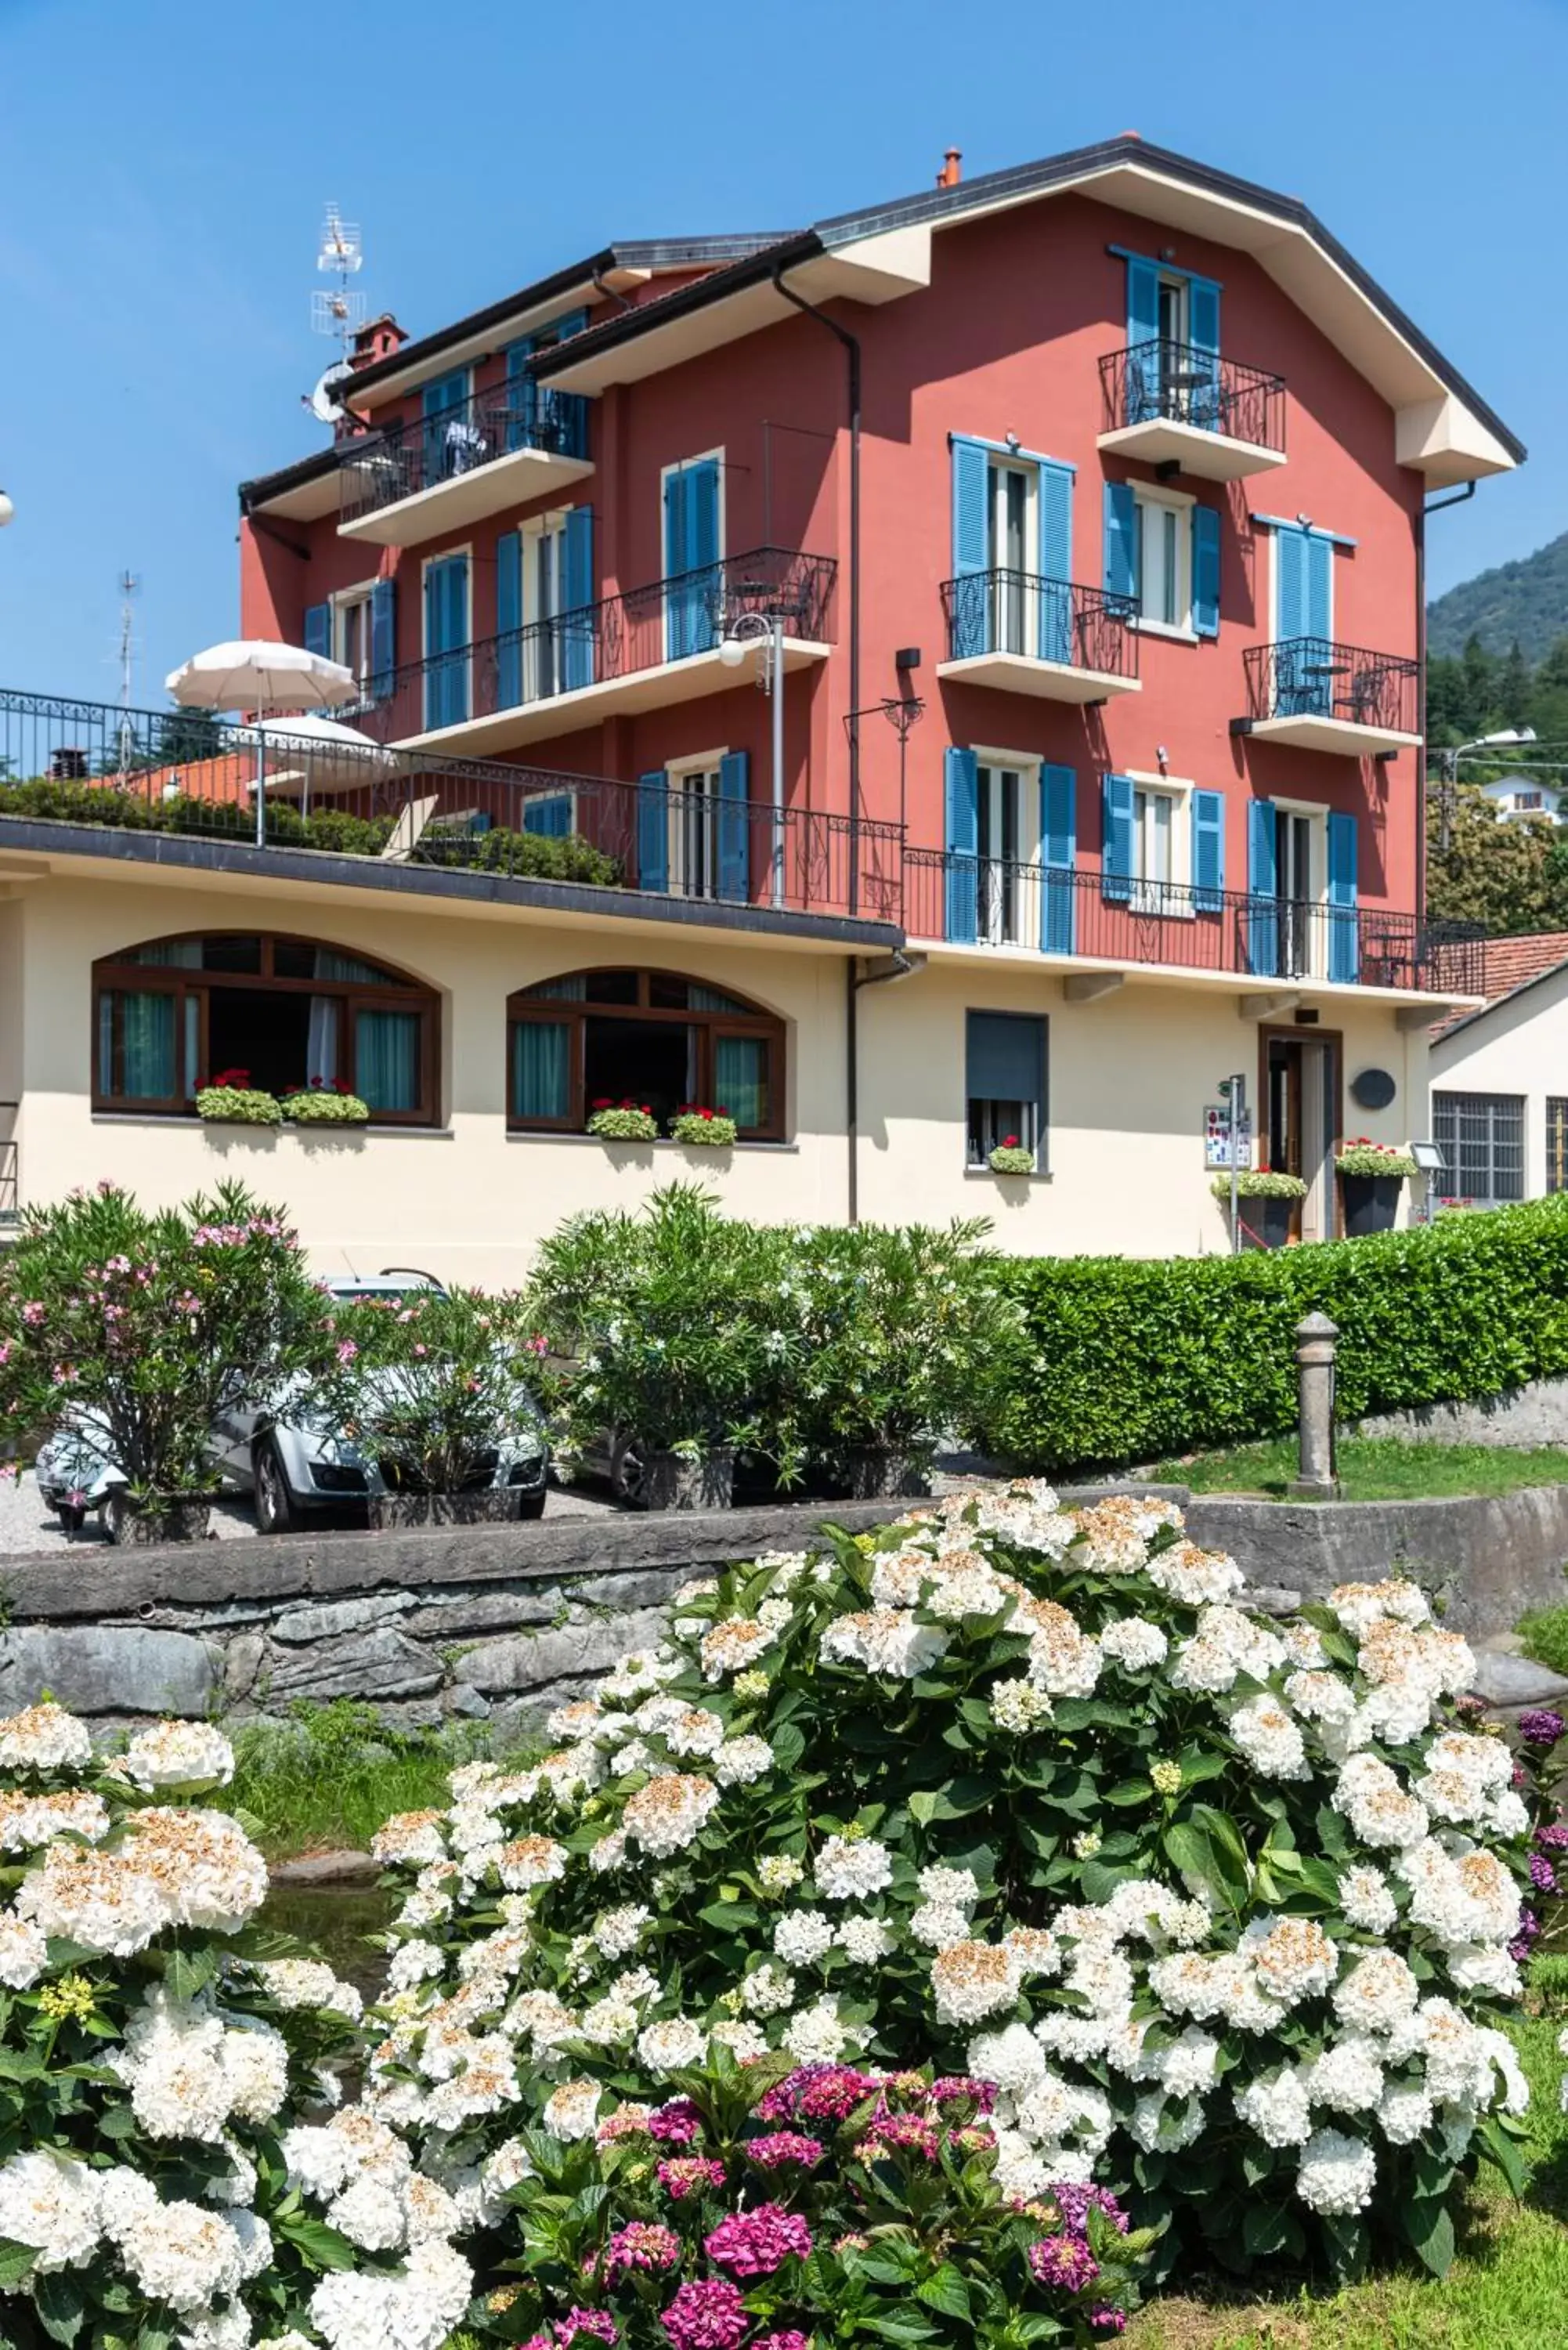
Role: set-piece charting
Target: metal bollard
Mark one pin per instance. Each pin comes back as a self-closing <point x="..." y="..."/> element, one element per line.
<point x="1315" y="1479"/>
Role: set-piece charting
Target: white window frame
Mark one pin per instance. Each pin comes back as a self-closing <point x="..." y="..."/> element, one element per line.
<point x="1026" y="765"/>
<point x="340" y="601"/>
<point x="1181" y="501"/>
<point x="1460" y="1094"/>
<point x="1179" y="791"/>
<point x="676" y="771"/>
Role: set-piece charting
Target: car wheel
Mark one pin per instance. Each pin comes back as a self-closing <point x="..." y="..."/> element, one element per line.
<point x="72" y="1517"/>
<point x="628" y="1471"/>
<point x="532" y="1506"/>
<point x="277" y="1510"/>
<point x="114" y="1514"/>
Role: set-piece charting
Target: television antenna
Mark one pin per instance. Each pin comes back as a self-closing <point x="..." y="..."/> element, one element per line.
<point x="338" y="310"/>
<point x="129" y="589"/>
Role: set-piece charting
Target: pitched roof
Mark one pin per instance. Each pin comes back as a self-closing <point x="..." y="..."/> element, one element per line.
<point x="1508" y="967"/>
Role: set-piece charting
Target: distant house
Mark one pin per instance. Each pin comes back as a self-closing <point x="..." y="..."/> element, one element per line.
<point x="1517" y="796"/>
<point x="1499" y="1079"/>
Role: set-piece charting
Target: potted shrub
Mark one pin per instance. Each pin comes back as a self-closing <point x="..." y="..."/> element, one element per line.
<point x="1370" y="1174"/>
<point x="124" y="1333"/>
<point x="622" y="1121"/>
<point x="1011" y="1158"/>
<point x="433" y="1389"/>
<point x="669" y="1321"/>
<point x="231" y="1099"/>
<point x="324" y="1104"/>
<point x="705" y="1129"/>
<point x="899" y="1333"/>
<point x="1270" y="1197"/>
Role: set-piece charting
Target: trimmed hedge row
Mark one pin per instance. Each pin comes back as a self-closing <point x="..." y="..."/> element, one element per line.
<point x="1127" y="1360"/>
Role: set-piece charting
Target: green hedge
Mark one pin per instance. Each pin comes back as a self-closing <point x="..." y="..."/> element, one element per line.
<point x="1129" y="1361"/>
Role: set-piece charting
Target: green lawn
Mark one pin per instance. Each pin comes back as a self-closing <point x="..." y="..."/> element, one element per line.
<point x="326" y="1779"/>
<point x="1373" y="1469"/>
<point x="1508" y="2289"/>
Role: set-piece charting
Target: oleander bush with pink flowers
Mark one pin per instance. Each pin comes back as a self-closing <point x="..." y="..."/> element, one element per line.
<point x="785" y="2208"/>
<point x="1227" y="1909"/>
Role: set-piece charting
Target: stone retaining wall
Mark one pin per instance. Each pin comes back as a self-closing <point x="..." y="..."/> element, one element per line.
<point x="485" y="1622"/>
<point x="501" y="1623"/>
<point x="1535" y="1414"/>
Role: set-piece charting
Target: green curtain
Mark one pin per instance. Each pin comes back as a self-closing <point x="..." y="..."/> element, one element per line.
<point x="146" y="1026"/>
<point x="185" y="953"/>
<point x="741" y="1078"/>
<point x="573" y="990"/>
<point x="330" y="964"/>
<point x="708" y="998"/>
<point x="386" y="1059"/>
<point x="541" y="1086"/>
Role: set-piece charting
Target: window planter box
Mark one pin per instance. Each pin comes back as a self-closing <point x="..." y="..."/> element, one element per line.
<point x="163" y="1518"/>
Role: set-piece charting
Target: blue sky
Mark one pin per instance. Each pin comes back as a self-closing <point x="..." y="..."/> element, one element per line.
<point x="166" y="165"/>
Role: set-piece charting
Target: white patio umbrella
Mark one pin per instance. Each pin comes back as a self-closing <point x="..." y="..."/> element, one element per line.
<point x="336" y="758"/>
<point x="252" y="674"/>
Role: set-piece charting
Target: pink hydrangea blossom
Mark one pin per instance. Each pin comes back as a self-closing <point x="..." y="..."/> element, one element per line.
<point x="707" y="2314"/>
<point x="754" y="2243"/>
<point x="688" y="2174"/>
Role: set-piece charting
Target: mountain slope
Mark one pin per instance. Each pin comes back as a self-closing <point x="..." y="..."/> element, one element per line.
<point x="1527" y="600"/>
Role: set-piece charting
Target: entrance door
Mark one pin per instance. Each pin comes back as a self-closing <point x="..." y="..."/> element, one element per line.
<point x="1301" y="1099"/>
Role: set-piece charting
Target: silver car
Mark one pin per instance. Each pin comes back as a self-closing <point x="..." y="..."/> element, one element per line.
<point x="297" y="1464"/>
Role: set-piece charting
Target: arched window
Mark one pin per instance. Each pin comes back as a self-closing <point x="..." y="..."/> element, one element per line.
<point x="171" y="1015"/>
<point x="602" y="1035"/>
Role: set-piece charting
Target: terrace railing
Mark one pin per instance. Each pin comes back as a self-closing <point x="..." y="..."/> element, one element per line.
<point x="1003" y="611"/>
<point x="1166" y="382"/>
<point x="669" y="620"/>
<point x="1312" y="677"/>
<point x="184" y="772"/>
<point x="400" y="460"/>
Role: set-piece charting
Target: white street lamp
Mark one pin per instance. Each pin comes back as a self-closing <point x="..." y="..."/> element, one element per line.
<point x="765" y="630"/>
<point x="1506" y="738"/>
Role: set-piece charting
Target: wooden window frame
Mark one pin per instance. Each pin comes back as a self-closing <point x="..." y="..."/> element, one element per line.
<point x="575" y="1012"/>
<point x="120" y="974"/>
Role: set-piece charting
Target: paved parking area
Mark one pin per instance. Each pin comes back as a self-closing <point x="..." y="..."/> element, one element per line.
<point x="29" y="1528"/>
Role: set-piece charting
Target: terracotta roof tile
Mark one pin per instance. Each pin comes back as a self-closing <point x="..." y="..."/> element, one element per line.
<point x="1510" y="964"/>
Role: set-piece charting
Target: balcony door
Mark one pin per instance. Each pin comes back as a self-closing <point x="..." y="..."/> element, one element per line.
<point x="1015" y="628"/>
<point x="1298" y="869"/>
<point x="446" y="641"/>
<point x="693" y="536"/>
<point x="1008" y="843"/>
<point x="1153" y="863"/>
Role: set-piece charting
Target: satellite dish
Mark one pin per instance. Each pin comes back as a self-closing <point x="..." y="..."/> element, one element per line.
<point x="323" y="402"/>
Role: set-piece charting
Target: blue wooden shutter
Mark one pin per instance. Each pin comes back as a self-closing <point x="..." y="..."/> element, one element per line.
<point x="508" y="619"/>
<point x="735" y="828"/>
<point x="1319" y="553"/>
<point x="550" y="818"/>
<point x="1262" y="866"/>
<point x="961" y="771"/>
<point x="446" y="641"/>
<point x="1121" y="539"/>
<point x="564" y="415"/>
<point x="1116" y="847"/>
<point x="691" y="555"/>
<point x="1205" y="404"/>
<point x="1206" y="570"/>
<point x="436" y="402"/>
<point x="703" y="514"/>
<point x="1208" y="850"/>
<point x="1294" y="689"/>
<point x="970" y="630"/>
<point x="1143" y="341"/>
<point x="1059" y="857"/>
<point x="653" y="831"/>
<point x="1343" y="944"/>
<point x="383" y="638"/>
<point x="522" y="395"/>
<point x="577" y="596"/>
<point x="1055" y="590"/>
<point x="318" y="629"/>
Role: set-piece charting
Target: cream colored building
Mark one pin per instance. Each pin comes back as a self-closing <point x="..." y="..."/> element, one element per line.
<point x="1126" y="1058"/>
<point x="1499" y="1079"/>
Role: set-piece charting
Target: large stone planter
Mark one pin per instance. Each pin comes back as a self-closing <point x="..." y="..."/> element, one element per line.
<point x="1371" y="1203"/>
<point x="873" y="1474"/>
<point x="490" y="1505"/>
<point x="166" y="1518"/>
<point x="673" y="1483"/>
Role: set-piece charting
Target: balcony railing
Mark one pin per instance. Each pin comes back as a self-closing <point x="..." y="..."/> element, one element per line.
<point x="1310" y="677"/>
<point x="1043" y="619"/>
<point x="184" y="772"/>
<point x="1162" y="382"/>
<point x="970" y="900"/>
<point x="419" y="454"/>
<point x="669" y="620"/>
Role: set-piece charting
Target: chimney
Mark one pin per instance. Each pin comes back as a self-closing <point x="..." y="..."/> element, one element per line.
<point x="951" y="171"/>
<point x="377" y="340"/>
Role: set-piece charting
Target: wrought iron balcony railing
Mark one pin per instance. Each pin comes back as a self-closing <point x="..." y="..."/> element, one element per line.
<point x="973" y="900"/>
<point x="1044" y="620"/>
<point x="187" y="773"/>
<point x="1310" y="677"/>
<point x="669" y="620"/>
<point x="400" y="460"/>
<point x="1181" y="383"/>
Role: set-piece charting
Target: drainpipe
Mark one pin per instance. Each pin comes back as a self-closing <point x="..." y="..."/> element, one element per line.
<point x="852" y="356"/>
<point x="610" y="292"/>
